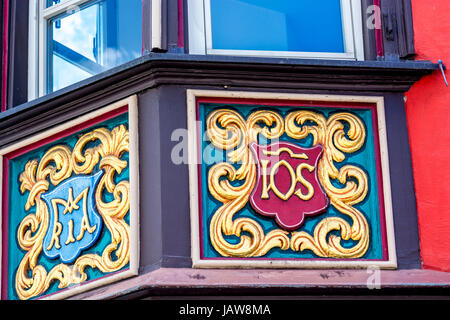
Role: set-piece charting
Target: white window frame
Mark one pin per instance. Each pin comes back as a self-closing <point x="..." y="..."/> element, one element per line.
<point x="37" y="40"/>
<point x="200" y="36"/>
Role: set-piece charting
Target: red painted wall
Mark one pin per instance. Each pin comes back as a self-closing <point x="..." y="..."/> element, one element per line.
<point x="428" y="114"/>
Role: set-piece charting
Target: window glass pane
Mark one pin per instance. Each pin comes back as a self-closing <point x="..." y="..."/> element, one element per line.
<point x="52" y="2"/>
<point x="281" y="25"/>
<point x="91" y="39"/>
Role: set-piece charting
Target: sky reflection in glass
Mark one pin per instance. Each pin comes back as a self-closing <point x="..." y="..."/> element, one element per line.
<point x="277" y="25"/>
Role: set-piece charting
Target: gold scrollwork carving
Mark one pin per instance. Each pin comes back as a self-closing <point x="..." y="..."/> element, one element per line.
<point x="58" y="164"/>
<point x="229" y="131"/>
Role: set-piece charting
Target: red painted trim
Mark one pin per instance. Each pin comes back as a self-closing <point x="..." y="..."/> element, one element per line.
<point x="378" y="32"/>
<point x="293" y="103"/>
<point x="180" y="43"/>
<point x="5" y="54"/>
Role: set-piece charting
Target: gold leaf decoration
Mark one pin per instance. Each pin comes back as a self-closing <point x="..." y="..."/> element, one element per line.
<point x="57" y="165"/>
<point x="228" y="130"/>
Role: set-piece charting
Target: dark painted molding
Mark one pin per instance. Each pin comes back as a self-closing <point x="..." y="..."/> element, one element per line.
<point x="154" y="70"/>
<point x="4" y="22"/>
<point x="172" y="180"/>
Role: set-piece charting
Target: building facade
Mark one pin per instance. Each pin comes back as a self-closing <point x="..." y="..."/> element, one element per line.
<point x="210" y="148"/>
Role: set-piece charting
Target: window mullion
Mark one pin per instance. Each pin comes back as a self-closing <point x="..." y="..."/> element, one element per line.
<point x="201" y="42"/>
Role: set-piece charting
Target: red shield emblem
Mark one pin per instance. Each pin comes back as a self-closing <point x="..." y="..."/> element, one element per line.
<point x="287" y="185"/>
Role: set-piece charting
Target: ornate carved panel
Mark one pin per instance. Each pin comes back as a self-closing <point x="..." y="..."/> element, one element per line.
<point x="69" y="206"/>
<point x="282" y="180"/>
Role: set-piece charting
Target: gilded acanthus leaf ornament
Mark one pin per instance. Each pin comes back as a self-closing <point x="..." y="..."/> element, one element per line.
<point x="228" y="130"/>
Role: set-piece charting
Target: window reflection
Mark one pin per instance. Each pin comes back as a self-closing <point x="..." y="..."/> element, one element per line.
<point x="92" y="38"/>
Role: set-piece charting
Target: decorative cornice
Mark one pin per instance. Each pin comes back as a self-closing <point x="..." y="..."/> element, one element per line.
<point x="156" y="69"/>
